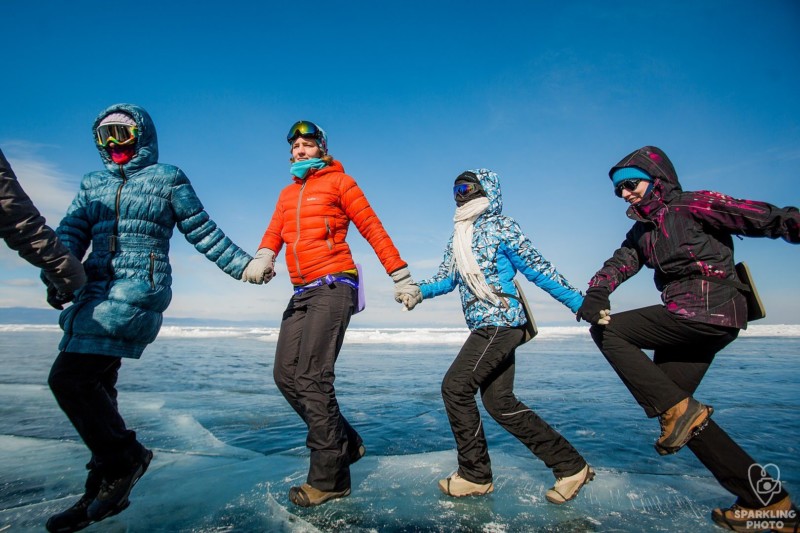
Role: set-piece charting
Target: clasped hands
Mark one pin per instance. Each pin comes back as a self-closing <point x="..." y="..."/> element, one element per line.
<point x="406" y="291"/>
<point x="596" y="307"/>
<point x="261" y="268"/>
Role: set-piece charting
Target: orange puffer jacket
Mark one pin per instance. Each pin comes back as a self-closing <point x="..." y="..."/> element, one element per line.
<point x="312" y="217"/>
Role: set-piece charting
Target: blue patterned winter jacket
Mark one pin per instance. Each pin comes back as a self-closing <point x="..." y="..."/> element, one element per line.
<point x="127" y="214"/>
<point x="501" y="249"/>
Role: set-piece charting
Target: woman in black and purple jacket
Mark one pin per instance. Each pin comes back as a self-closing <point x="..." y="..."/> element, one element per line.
<point x="686" y="237"/>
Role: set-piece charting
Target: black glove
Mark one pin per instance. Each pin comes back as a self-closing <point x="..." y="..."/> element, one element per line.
<point x="57" y="299"/>
<point x="596" y="300"/>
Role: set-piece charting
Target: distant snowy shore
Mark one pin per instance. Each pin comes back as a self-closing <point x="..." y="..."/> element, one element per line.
<point x="389" y="335"/>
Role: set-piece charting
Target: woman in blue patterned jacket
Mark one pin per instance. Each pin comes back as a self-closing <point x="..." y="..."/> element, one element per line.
<point x="126" y="213"/>
<point x="482" y="257"/>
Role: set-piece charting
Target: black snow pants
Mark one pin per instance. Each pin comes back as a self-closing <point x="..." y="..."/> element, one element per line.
<point x="309" y="342"/>
<point x="486" y="362"/>
<point x="84" y="386"/>
<point x="682" y="352"/>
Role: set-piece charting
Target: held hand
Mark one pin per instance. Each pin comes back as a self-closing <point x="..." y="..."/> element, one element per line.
<point x="57" y="299"/>
<point x="595" y="302"/>
<point x="403" y="284"/>
<point x="261" y="268"/>
<point x="410" y="301"/>
<point x="605" y="317"/>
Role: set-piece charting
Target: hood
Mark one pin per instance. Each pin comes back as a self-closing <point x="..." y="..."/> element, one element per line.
<point x="147" y="144"/>
<point x="665" y="180"/>
<point x="653" y="161"/>
<point x="490" y="182"/>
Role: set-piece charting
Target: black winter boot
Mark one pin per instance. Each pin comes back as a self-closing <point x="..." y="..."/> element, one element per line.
<point x="76" y="518"/>
<point x="112" y="497"/>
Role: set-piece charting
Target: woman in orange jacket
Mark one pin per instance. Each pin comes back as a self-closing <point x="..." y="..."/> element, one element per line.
<point x="311" y="218"/>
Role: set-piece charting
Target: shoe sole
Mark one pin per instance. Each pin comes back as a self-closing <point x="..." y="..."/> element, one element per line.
<point x="299" y="497"/>
<point x="88" y="522"/>
<point x="446" y="490"/>
<point x="589" y="476"/>
<point x="669" y="450"/>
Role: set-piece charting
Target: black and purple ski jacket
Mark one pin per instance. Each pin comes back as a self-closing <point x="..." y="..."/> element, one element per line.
<point x="686" y="238"/>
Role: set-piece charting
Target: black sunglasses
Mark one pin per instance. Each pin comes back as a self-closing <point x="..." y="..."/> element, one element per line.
<point x="628" y="185"/>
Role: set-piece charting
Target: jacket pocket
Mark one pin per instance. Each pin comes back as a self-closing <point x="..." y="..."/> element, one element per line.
<point x="328" y="234"/>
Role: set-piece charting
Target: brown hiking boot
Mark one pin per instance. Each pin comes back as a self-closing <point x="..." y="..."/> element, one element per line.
<point x="457" y="486"/>
<point x="308" y="496"/>
<point x="781" y="516"/>
<point x="566" y="488"/>
<point x="680" y="423"/>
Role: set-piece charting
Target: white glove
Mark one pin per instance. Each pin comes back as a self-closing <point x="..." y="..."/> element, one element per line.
<point x="261" y="268"/>
<point x="404" y="285"/>
<point x="605" y="317"/>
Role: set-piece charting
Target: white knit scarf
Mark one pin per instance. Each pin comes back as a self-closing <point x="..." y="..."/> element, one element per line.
<point x="462" y="249"/>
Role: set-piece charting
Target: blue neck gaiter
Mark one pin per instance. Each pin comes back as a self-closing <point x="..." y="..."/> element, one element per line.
<point x="300" y="168"/>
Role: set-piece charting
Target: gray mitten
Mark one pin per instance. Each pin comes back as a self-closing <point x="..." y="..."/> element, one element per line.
<point x="261" y="268"/>
<point x="404" y="285"/>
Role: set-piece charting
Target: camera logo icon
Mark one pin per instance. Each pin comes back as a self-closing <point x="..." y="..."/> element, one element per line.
<point x="765" y="480"/>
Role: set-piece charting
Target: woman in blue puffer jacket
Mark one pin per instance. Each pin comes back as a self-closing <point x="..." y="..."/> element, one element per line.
<point x="127" y="214"/>
<point x="485" y="252"/>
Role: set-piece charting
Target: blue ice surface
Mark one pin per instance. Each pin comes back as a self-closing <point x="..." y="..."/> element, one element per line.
<point x="227" y="446"/>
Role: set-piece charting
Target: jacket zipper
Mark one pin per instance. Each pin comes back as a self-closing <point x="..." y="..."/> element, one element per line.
<point x="297" y="240"/>
<point x="115" y="235"/>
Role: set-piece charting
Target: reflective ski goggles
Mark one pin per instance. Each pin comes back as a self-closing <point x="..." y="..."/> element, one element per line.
<point x="463" y="190"/>
<point x="628" y="185"/>
<point x="303" y="128"/>
<point x="119" y="134"/>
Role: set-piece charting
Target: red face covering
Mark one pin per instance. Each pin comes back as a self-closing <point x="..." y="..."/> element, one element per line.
<point x="121" y="154"/>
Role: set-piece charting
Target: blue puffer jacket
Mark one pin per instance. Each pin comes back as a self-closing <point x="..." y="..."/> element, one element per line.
<point x="501" y="249"/>
<point x="127" y="214"/>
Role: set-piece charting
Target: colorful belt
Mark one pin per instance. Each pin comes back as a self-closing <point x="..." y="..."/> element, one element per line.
<point x="328" y="279"/>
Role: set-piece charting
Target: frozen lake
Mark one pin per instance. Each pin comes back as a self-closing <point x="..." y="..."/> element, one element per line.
<point x="227" y="447"/>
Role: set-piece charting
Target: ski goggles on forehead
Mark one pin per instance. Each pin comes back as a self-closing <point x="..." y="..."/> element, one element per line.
<point x="119" y="134"/>
<point x="303" y="128"/>
<point x="628" y="185"/>
<point x="465" y="189"/>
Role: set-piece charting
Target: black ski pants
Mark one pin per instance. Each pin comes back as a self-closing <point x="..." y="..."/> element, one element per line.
<point x="486" y="362"/>
<point x="84" y="386"/>
<point x="310" y="338"/>
<point x="682" y="352"/>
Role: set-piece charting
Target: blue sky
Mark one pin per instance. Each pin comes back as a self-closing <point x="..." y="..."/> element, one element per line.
<point x="548" y="94"/>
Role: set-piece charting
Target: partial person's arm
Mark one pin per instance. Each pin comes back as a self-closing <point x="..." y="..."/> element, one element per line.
<point x="24" y="230"/>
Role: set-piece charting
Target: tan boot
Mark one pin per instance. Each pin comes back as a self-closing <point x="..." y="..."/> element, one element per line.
<point x="680" y="423"/>
<point x="308" y="496"/>
<point x="781" y="516"/>
<point x="457" y="486"/>
<point x="566" y="488"/>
